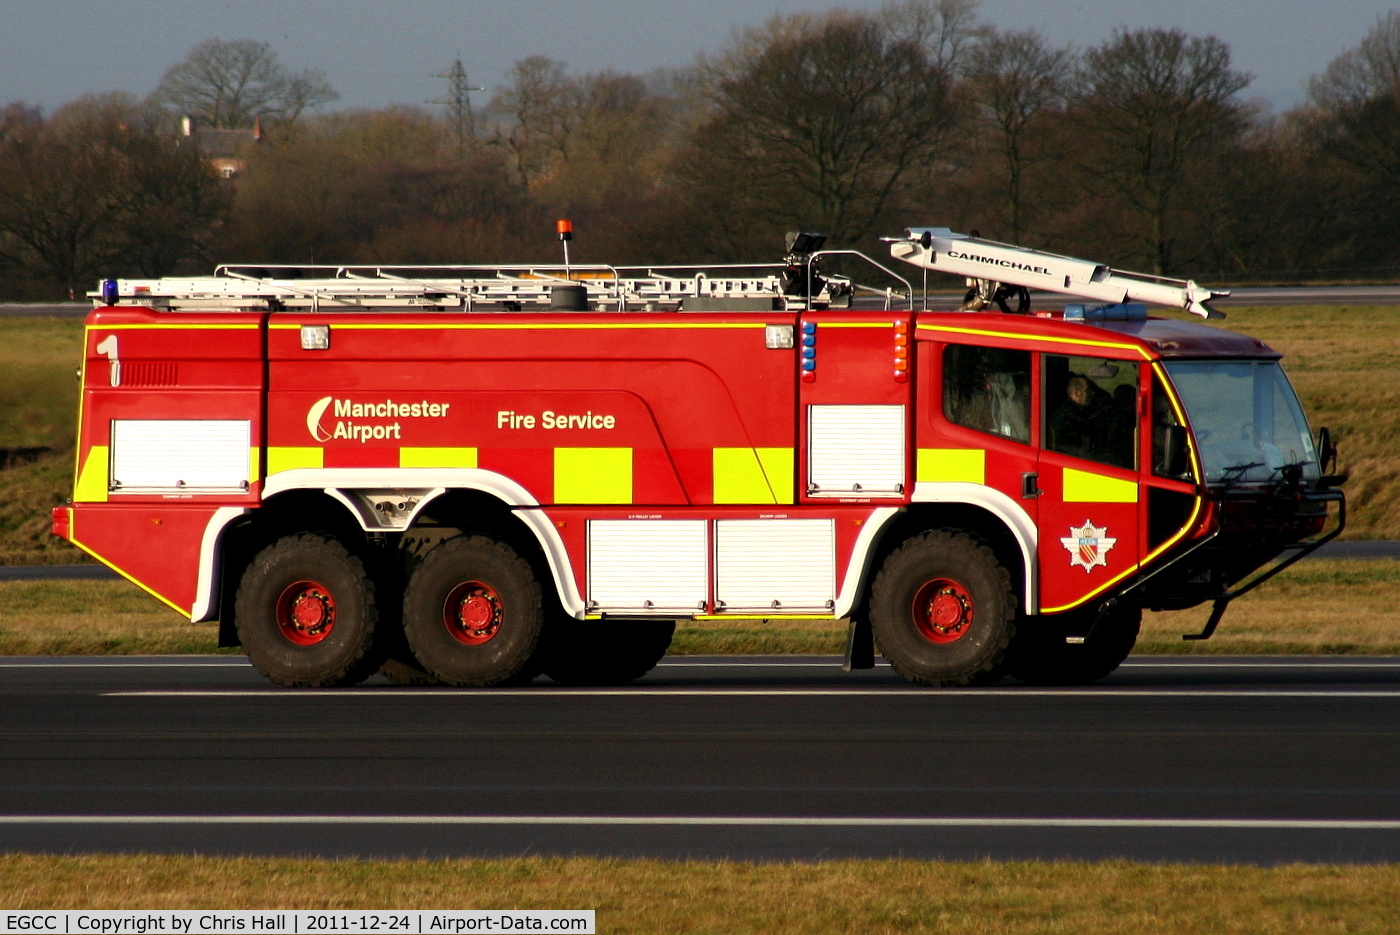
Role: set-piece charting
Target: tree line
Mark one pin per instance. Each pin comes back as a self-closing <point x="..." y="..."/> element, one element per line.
<point x="1144" y="151"/>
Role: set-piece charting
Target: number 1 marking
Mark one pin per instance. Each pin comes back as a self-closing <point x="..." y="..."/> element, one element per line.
<point x="108" y="346"/>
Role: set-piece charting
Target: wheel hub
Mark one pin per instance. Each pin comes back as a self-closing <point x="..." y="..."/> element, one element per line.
<point x="472" y="613"/>
<point x="305" y="612"/>
<point x="942" y="611"/>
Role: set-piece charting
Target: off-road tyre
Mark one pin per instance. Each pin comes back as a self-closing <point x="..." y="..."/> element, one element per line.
<point x="613" y="652"/>
<point x="472" y="613"/>
<point x="1040" y="654"/>
<point x="306" y="613"/>
<point x="943" y="610"/>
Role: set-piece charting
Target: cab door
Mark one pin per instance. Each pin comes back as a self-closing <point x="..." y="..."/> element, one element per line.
<point x="1088" y="477"/>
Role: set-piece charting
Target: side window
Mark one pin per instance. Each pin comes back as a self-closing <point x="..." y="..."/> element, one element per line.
<point x="1169" y="452"/>
<point x="1091" y="409"/>
<point x="988" y="389"/>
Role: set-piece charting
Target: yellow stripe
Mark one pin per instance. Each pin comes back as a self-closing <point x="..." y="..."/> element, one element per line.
<point x="1084" y="487"/>
<point x="1038" y="339"/>
<point x="753" y="475"/>
<point x="251" y="326"/>
<point x="950" y="465"/>
<point x="73" y="538"/>
<point x="532" y="326"/>
<point x="93" y="485"/>
<point x="592" y="475"/>
<point x="437" y="457"/>
<point x="290" y="458"/>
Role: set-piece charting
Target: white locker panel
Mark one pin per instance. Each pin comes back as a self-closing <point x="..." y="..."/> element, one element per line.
<point x="646" y="565"/>
<point x="181" y="454"/>
<point x="778" y="565"/>
<point x="856" y="450"/>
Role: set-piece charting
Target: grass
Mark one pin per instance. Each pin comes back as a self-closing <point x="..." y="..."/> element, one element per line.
<point x="1342" y="363"/>
<point x="39" y="359"/>
<point x="1318" y="606"/>
<point x="874" y="896"/>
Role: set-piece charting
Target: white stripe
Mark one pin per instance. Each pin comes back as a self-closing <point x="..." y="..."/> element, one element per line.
<point x="644" y="691"/>
<point x="760" y="821"/>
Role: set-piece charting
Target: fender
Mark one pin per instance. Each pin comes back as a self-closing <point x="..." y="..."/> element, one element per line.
<point x="858" y="569"/>
<point x="1011" y="513"/>
<point x="361" y="490"/>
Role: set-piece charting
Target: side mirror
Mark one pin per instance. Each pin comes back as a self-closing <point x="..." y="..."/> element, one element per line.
<point x="1327" y="460"/>
<point x="1326" y="451"/>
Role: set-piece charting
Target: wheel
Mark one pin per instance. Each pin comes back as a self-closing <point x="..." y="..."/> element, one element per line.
<point x="943" y="610"/>
<point x="611" y="653"/>
<point x="1041" y="656"/>
<point x="305" y="613"/>
<point x="472" y="613"/>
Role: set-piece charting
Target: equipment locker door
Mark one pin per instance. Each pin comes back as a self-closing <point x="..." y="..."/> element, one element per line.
<point x="855" y="419"/>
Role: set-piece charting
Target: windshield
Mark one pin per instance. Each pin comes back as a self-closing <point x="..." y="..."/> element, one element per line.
<point x="1246" y="419"/>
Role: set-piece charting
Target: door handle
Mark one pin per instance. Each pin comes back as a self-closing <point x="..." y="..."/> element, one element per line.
<point x="1030" y="489"/>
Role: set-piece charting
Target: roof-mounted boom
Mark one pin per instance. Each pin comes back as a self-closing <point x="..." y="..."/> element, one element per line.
<point x="940" y="249"/>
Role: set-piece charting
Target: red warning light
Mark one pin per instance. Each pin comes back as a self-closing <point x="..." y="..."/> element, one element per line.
<point x="565" y="229"/>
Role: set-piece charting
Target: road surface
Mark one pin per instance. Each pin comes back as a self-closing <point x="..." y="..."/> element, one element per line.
<point x="1259" y="760"/>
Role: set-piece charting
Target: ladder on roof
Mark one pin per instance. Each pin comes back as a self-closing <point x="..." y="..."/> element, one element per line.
<point x="464" y="288"/>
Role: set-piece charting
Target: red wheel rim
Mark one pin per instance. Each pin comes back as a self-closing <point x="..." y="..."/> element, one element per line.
<point x="305" y="612"/>
<point x="472" y="612"/>
<point x="942" y="611"/>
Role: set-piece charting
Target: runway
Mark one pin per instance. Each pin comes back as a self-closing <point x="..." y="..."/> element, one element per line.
<point x="1234" y="759"/>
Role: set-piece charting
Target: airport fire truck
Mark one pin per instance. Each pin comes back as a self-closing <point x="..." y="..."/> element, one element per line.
<point x="477" y="475"/>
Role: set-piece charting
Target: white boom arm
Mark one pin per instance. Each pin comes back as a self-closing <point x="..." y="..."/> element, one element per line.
<point x="938" y="248"/>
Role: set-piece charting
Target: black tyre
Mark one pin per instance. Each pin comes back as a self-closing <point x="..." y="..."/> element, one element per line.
<point x="605" y="653"/>
<point x="943" y="610"/>
<point x="306" y="613"/>
<point x="1042" y="656"/>
<point x="472" y="613"/>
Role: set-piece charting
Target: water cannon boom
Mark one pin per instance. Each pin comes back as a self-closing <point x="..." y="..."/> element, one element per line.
<point x="942" y="250"/>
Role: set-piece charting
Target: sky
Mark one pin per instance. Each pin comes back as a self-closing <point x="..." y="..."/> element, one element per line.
<point x="388" y="51"/>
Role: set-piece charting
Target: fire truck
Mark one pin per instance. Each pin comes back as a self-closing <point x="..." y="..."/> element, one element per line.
<point x="476" y="475"/>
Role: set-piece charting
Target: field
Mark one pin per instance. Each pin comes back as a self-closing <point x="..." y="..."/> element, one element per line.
<point x="865" y="897"/>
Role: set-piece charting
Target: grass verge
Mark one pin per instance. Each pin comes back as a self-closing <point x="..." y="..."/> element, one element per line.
<point x="1318" y="606"/>
<point x="835" y="896"/>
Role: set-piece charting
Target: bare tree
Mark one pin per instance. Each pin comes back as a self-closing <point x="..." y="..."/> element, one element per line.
<point x="540" y="105"/>
<point x="99" y="189"/>
<point x="1151" y="108"/>
<point x="1353" y="125"/>
<point x="1359" y="75"/>
<point x="1016" y="80"/>
<point x="225" y="85"/>
<point x="815" y="123"/>
<point x="946" y="29"/>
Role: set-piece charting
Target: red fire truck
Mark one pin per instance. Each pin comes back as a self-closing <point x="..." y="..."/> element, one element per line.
<point x="475" y="475"/>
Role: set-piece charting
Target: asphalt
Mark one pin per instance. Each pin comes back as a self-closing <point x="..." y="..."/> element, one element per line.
<point x="1235" y="760"/>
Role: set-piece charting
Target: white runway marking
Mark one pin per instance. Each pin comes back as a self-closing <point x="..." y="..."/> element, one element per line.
<point x="727" y="821"/>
